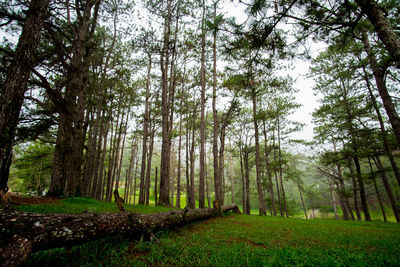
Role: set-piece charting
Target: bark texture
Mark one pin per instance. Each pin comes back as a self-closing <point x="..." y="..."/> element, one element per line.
<point x="385" y="32"/>
<point x="12" y="94"/>
<point x="23" y="233"/>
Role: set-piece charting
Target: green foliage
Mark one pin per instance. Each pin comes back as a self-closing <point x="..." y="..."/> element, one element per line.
<point x="32" y="168"/>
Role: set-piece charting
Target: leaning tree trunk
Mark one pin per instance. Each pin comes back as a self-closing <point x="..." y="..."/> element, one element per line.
<point x="385" y="32"/>
<point x="24" y="233"/>
<point x="379" y="75"/>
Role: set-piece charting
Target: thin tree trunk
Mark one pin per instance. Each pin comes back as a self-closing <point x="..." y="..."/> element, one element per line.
<point x="280" y="171"/>
<point x="261" y="200"/>
<point x="355" y="191"/>
<point x="149" y="158"/>
<point x="333" y="201"/>
<point x="388" y="189"/>
<point x="217" y="180"/>
<point x="269" y="175"/>
<point x="302" y="202"/>
<point x="382" y="89"/>
<point x="202" y="107"/>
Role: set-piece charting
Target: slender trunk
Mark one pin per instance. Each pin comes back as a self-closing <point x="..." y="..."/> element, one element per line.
<point x="378" y="195"/>
<point x="247" y="176"/>
<point x="135" y="179"/>
<point x="155" y="186"/>
<point x="231" y="174"/>
<point x="388" y="188"/>
<point x="302" y="202"/>
<point x="382" y="89"/>
<point x="217" y="181"/>
<point x="269" y="175"/>
<point x="333" y="201"/>
<point x="122" y="154"/>
<point x="355" y="190"/>
<point x="192" y="202"/>
<point x="165" y="112"/>
<point x="383" y="130"/>
<point x="261" y="200"/>
<point x="243" y="179"/>
<point x="187" y="161"/>
<point x="100" y="184"/>
<point x="202" y="107"/>
<point x="149" y="158"/>
<point x="280" y="171"/>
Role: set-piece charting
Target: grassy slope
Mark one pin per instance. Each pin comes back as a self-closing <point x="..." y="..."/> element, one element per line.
<point x="235" y="240"/>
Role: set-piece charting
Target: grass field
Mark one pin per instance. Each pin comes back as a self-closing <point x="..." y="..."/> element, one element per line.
<point x="233" y="241"/>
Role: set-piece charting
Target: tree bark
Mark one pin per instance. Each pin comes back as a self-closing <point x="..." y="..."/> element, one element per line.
<point x="165" y="112"/>
<point x="388" y="189"/>
<point x="202" y="110"/>
<point x="385" y="32"/>
<point x="261" y="200"/>
<point x="269" y="175"/>
<point x="12" y="94"/>
<point x="382" y="89"/>
<point x="217" y="180"/>
<point x="24" y="233"/>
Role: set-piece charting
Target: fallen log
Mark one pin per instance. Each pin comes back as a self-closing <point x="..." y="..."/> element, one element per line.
<point x="24" y="233"/>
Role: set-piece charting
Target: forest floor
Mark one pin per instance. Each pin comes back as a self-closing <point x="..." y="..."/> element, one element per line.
<point x="230" y="241"/>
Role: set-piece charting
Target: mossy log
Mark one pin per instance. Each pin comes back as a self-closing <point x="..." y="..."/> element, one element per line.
<point x="23" y="233"/>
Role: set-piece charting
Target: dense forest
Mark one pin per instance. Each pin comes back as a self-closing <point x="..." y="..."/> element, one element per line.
<point x="180" y="103"/>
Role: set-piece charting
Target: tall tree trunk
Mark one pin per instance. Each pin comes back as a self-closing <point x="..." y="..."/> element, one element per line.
<point x="165" y="111"/>
<point x="247" y="176"/>
<point x="202" y="107"/>
<point x="12" y="93"/>
<point x="378" y="195"/>
<point x="382" y="89"/>
<point x="355" y="190"/>
<point x="149" y="158"/>
<point x="383" y="130"/>
<point x="388" y="188"/>
<point x="243" y="179"/>
<point x="269" y="175"/>
<point x="280" y="170"/>
<point x="333" y="201"/>
<point x="155" y="186"/>
<point x="346" y="208"/>
<point x="302" y="202"/>
<point x="261" y="200"/>
<point x="231" y="176"/>
<point x="100" y="184"/>
<point x="146" y="119"/>
<point x="187" y="160"/>
<point x="217" y="180"/>
<point x="385" y="32"/>
<point x="121" y="156"/>
<point x="191" y="196"/>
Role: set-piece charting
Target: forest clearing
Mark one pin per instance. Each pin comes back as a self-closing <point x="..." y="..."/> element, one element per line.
<point x="134" y="132"/>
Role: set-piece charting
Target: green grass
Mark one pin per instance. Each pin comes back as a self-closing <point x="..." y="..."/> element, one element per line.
<point x="81" y="204"/>
<point x="235" y="240"/>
